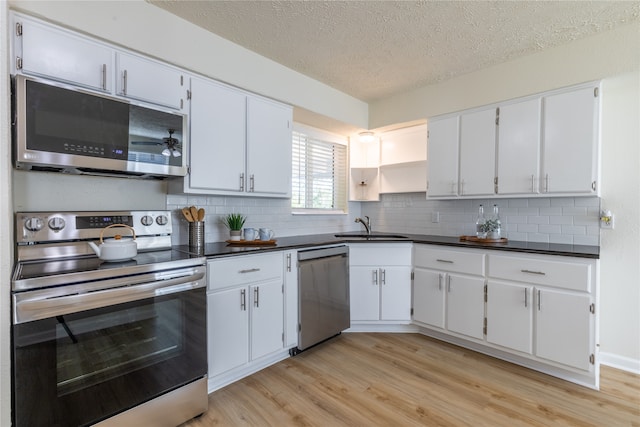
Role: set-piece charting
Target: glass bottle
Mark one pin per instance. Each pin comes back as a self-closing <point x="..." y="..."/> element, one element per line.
<point x="497" y="224"/>
<point x="480" y="232"/>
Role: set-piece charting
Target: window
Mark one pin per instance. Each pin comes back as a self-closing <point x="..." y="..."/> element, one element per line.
<point x="319" y="172"/>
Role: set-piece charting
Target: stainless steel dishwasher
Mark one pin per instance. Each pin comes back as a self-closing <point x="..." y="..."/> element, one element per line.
<point x="323" y="295"/>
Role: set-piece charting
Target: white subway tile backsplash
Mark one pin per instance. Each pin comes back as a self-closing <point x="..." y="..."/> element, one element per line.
<point x="564" y="220"/>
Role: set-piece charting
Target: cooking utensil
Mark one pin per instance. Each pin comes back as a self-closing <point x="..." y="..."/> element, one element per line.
<point x="187" y="214"/>
<point x="116" y="249"/>
<point x="194" y="213"/>
<point x="200" y="214"/>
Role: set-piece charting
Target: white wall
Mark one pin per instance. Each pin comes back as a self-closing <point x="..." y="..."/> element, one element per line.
<point x="613" y="56"/>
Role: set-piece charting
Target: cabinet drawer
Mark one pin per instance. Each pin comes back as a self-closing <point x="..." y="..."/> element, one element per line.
<point x="380" y="254"/>
<point x="449" y="260"/>
<point x="244" y="269"/>
<point x="574" y="275"/>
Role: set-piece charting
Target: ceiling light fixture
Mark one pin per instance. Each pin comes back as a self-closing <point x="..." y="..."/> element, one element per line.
<point x="366" y="136"/>
<point x="172" y="145"/>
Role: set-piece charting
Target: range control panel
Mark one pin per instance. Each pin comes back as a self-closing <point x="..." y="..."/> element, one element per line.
<point x="50" y="227"/>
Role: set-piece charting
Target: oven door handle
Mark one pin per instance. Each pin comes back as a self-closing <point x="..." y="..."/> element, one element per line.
<point x="26" y="310"/>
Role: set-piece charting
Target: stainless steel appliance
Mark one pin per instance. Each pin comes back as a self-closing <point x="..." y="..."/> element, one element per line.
<point x="106" y="343"/>
<point x="323" y="293"/>
<point x="61" y="128"/>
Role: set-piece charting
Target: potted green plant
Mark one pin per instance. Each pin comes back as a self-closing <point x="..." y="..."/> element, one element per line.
<point x="234" y="222"/>
<point x="492" y="228"/>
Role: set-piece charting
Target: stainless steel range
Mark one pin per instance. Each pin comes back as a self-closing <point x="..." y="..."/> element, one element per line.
<point x="106" y="343"/>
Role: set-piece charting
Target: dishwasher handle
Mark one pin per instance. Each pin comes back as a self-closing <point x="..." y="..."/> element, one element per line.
<point x="312" y="254"/>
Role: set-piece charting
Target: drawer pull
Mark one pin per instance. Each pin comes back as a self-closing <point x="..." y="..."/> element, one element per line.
<point x="445" y="260"/>
<point x="541" y="273"/>
<point x="250" y="270"/>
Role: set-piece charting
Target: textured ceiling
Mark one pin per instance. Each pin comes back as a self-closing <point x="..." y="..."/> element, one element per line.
<point x="374" y="49"/>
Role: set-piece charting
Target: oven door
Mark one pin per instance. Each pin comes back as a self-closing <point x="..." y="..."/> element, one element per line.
<point x="82" y="367"/>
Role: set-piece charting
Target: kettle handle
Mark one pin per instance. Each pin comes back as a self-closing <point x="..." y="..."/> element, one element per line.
<point x="133" y="232"/>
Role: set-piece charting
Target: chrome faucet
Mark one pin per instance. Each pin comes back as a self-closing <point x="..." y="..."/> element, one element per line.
<point x="367" y="224"/>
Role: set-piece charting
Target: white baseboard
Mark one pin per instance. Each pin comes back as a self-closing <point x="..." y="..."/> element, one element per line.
<point x="620" y="362"/>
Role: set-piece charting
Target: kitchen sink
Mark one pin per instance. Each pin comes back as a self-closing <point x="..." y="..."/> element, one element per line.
<point x="374" y="236"/>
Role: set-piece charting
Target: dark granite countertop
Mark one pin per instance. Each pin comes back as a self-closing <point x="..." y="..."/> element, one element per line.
<point x="221" y="249"/>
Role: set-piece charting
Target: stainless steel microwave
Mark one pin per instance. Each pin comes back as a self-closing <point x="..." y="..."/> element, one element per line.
<point x="61" y="128"/>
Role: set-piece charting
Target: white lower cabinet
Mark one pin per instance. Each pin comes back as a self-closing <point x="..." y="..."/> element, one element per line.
<point x="510" y="316"/>
<point x="380" y="282"/>
<point x="448" y="289"/>
<point x="291" y="298"/>
<point x="245" y="313"/>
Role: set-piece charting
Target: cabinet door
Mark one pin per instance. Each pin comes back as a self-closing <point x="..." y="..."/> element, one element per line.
<point x="267" y="318"/>
<point x="395" y="293"/>
<point x="64" y="56"/>
<point x="218" y="135"/>
<point x="564" y="328"/>
<point x="145" y="80"/>
<point x="428" y="297"/>
<point x="569" y="151"/>
<point x="510" y="316"/>
<point x="465" y="305"/>
<point x="291" y="298"/>
<point x="227" y="329"/>
<point x="519" y="147"/>
<point x="364" y="293"/>
<point x="442" y="157"/>
<point x="478" y="153"/>
<point x="268" y="147"/>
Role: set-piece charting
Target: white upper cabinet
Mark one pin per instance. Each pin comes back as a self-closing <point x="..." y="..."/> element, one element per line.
<point x="570" y="142"/>
<point x="478" y="153"/>
<point x="240" y="143"/>
<point x="150" y="81"/>
<point x="268" y="147"/>
<point x="542" y="145"/>
<point x="442" y="157"/>
<point x="403" y="160"/>
<point x="47" y="51"/>
<point x="218" y="126"/>
<point x="519" y="147"/>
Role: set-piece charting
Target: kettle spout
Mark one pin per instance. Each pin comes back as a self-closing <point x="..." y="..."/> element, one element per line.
<point x="95" y="248"/>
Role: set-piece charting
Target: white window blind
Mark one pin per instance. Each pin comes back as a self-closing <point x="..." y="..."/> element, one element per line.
<point x="319" y="175"/>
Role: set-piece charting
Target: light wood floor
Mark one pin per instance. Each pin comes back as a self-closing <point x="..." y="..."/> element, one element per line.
<point x="407" y="380"/>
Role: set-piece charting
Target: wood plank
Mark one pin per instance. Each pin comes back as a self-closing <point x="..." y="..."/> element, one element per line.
<point x="410" y="380"/>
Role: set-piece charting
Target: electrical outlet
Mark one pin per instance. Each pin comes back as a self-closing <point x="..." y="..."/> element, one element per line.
<point x="607" y="220"/>
<point x="435" y="217"/>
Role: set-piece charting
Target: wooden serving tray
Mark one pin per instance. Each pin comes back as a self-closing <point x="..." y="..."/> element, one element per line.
<point x="251" y="242"/>
<point x="479" y="240"/>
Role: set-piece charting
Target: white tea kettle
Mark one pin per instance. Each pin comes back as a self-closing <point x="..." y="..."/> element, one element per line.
<point x="116" y="249"/>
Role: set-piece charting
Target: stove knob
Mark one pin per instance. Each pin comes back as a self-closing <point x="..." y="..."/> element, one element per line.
<point x="34" y="223"/>
<point x="147" y="220"/>
<point x="162" y="220"/>
<point x="56" y="223"/>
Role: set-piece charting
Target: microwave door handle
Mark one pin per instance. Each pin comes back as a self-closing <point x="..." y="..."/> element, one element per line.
<point x="28" y="310"/>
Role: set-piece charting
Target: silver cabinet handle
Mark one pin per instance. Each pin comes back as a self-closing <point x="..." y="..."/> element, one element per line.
<point x="243" y="300"/>
<point x="375" y="277"/>
<point x="448" y="283"/>
<point x="533" y="184"/>
<point x="525" y="298"/>
<point x="250" y="270"/>
<point x="445" y="260"/>
<point x="256" y="296"/>
<point x="440" y="277"/>
<point x="124" y="82"/>
<point x="383" y="276"/>
<point x="251" y="182"/>
<point x="538" y="300"/>
<point x="104" y="76"/>
<point x="242" y="182"/>
<point x="540" y="273"/>
<point x="546" y="183"/>
<point x="289" y="262"/>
